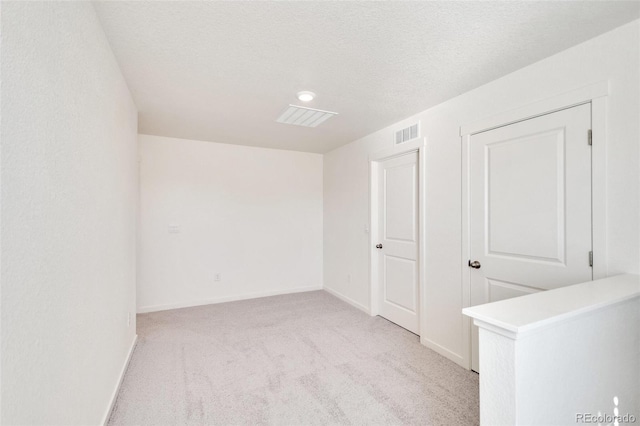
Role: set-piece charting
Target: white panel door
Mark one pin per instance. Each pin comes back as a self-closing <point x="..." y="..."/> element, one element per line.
<point x="398" y="246"/>
<point x="530" y="207"/>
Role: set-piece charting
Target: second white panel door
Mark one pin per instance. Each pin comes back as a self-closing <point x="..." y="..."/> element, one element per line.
<point x="398" y="245"/>
<point x="530" y="207"/>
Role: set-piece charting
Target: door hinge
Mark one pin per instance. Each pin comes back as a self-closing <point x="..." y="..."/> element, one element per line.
<point x="590" y="137"/>
<point x="591" y="259"/>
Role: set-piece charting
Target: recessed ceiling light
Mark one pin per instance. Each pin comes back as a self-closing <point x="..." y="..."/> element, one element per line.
<point x="306" y="96"/>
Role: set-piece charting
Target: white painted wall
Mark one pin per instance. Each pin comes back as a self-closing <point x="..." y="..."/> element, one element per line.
<point x="254" y="215"/>
<point x="612" y="56"/>
<point x="603" y="345"/>
<point x="69" y="197"/>
<point x="594" y="330"/>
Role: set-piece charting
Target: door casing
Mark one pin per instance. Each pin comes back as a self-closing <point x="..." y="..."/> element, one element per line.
<point x="418" y="145"/>
<point x="596" y="94"/>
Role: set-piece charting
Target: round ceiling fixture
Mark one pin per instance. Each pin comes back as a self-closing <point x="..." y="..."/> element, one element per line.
<point x="306" y="96"/>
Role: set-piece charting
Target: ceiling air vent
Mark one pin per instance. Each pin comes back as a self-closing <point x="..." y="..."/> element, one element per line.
<point x="408" y="133"/>
<point x="302" y="116"/>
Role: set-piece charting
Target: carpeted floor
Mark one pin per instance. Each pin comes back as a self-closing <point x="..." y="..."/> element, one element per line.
<point x="299" y="359"/>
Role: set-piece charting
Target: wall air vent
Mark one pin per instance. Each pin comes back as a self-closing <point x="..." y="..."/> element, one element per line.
<point x="408" y="133"/>
<point x="303" y="116"/>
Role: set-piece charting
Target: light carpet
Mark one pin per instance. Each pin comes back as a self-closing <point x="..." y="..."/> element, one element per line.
<point x="298" y="359"/>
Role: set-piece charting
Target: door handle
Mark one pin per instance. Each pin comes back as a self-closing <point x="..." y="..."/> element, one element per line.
<point x="378" y="246"/>
<point x="475" y="264"/>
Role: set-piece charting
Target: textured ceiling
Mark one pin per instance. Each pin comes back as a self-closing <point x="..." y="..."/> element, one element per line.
<point x="224" y="71"/>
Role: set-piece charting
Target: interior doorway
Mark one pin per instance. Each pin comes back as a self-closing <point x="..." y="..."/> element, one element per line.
<point x="396" y="243"/>
<point x="530" y="219"/>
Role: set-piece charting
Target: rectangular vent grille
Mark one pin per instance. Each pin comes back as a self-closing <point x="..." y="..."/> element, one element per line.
<point x="302" y="116"/>
<point x="407" y="134"/>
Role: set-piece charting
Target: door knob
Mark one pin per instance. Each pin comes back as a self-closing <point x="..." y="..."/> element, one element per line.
<point x="475" y="264"/>
<point x="378" y="246"/>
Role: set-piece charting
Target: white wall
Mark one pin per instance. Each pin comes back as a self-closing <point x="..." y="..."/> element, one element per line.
<point x="69" y="197"/>
<point x="594" y="330"/>
<point x="599" y="358"/>
<point x="612" y="56"/>
<point x="253" y="215"/>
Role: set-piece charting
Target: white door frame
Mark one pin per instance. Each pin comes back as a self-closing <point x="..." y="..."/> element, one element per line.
<point x="418" y="145"/>
<point x="596" y="94"/>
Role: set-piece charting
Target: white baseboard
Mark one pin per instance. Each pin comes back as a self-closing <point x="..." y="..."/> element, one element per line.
<point x="166" y="307"/>
<point x="114" y="395"/>
<point x="444" y="352"/>
<point x="348" y="300"/>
